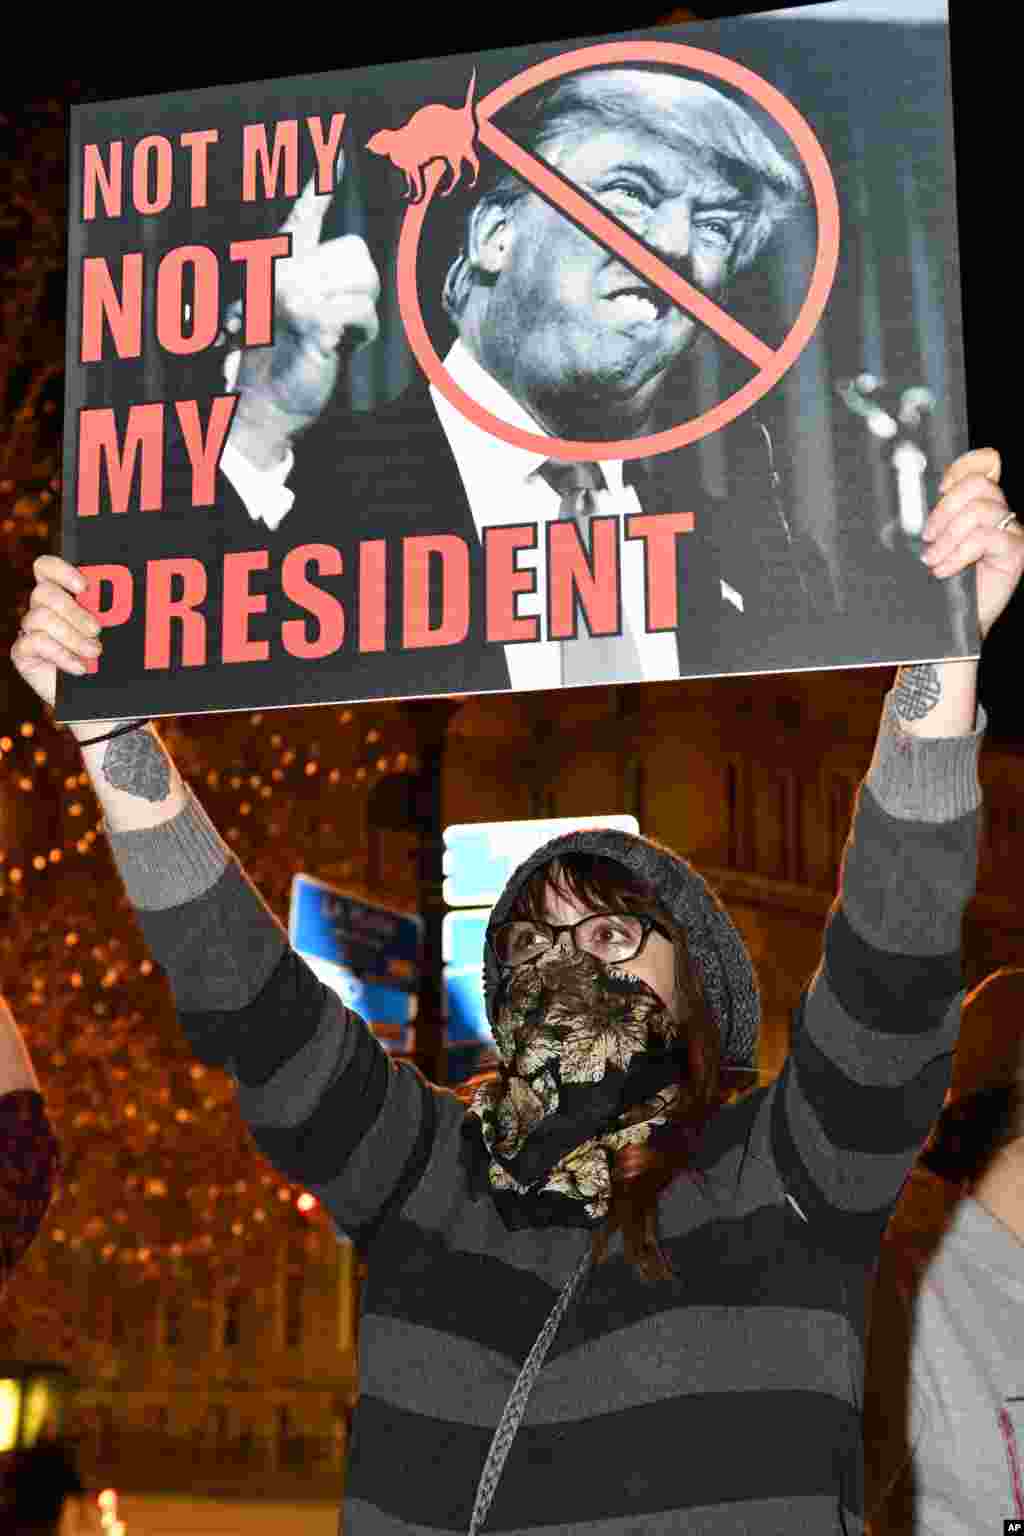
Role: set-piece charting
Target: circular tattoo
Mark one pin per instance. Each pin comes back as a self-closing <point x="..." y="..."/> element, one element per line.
<point x="917" y="692"/>
<point x="137" y="764"/>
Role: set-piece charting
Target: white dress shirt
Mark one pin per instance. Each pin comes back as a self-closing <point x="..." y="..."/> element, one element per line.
<point x="503" y="486"/>
<point x="262" y="492"/>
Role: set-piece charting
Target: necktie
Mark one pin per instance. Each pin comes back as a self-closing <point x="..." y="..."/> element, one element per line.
<point x="590" y="658"/>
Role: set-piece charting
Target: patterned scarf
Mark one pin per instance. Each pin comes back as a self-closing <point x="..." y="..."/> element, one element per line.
<point x="591" y="1062"/>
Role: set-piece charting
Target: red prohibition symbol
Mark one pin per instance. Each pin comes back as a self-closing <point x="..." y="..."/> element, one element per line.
<point x="770" y="363"/>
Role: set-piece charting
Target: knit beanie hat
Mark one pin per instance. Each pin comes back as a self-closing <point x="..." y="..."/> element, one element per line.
<point x="718" y="955"/>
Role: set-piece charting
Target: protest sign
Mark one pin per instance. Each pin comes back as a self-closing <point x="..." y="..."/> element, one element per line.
<point x="627" y="359"/>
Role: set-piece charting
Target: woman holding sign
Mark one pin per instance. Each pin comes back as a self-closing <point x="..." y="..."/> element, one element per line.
<point x="602" y="1299"/>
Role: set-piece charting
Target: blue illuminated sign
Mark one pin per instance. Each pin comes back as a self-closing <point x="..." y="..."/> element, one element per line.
<point x="479" y="856"/>
<point x="375" y="942"/>
<point x="368" y="954"/>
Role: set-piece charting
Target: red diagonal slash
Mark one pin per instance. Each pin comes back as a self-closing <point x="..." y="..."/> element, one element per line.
<point x="572" y="204"/>
<point x="610" y="234"/>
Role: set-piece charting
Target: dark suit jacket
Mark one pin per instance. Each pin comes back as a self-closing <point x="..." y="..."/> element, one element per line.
<point x="382" y="477"/>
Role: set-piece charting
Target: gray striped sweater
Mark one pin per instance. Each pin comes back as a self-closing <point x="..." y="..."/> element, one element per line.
<point x="725" y="1401"/>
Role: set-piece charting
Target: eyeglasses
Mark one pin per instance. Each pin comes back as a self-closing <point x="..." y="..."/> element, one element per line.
<point x="611" y="937"/>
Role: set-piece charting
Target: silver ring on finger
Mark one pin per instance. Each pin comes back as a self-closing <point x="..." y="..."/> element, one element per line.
<point x="1007" y="522"/>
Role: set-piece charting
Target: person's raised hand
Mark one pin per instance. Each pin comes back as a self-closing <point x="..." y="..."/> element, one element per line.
<point x="971" y="525"/>
<point x="57" y="634"/>
<point x="325" y="303"/>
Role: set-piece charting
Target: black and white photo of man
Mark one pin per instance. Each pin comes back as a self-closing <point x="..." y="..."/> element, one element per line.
<point x="554" y="334"/>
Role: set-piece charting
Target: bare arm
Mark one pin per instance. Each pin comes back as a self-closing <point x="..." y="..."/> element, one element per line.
<point x="941" y="699"/>
<point x="880" y="1017"/>
<point x="135" y="780"/>
<point x="303" y="1064"/>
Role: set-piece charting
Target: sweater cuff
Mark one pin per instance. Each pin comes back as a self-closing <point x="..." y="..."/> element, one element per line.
<point x="178" y="861"/>
<point x="925" y="778"/>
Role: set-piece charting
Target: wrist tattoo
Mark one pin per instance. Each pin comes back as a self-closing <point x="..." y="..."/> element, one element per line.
<point x="138" y="765"/>
<point x="917" y="691"/>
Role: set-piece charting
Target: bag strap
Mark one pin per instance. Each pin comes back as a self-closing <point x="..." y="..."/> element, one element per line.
<point x="512" y="1413"/>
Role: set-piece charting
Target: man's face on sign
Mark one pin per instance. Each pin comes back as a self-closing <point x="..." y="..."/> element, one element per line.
<point x="574" y="333"/>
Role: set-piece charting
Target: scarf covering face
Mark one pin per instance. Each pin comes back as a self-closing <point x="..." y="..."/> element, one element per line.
<point x="591" y="1062"/>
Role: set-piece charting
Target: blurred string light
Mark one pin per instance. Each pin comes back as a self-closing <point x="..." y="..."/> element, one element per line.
<point x="365" y="764"/>
<point x="159" y="1171"/>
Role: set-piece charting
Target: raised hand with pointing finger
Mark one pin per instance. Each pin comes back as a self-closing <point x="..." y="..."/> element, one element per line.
<point x="325" y="299"/>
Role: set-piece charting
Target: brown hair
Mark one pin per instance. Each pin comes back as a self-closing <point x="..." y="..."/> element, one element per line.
<point x="639" y="1172"/>
<point x="972" y="1130"/>
<point x="986" y="1111"/>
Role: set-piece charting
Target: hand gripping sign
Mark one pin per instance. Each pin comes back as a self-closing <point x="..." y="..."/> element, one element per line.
<point x="771" y="364"/>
